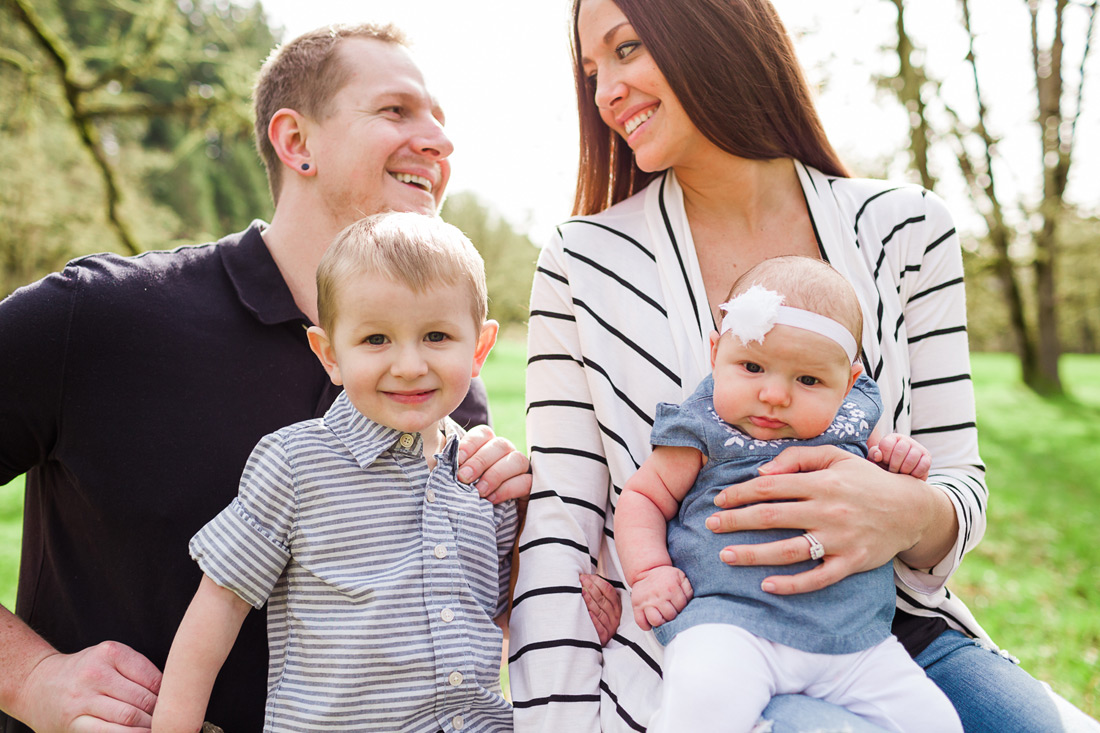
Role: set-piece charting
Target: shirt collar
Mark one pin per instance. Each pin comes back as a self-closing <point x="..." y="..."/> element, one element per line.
<point x="366" y="439"/>
<point x="256" y="277"/>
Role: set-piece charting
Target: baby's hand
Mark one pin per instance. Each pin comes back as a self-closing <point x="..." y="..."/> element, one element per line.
<point x="658" y="595"/>
<point x="901" y="454"/>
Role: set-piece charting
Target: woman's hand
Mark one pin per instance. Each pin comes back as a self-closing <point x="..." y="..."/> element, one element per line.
<point x="501" y="471"/>
<point x="862" y="515"/>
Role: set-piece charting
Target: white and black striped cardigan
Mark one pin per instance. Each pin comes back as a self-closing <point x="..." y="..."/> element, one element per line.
<point x="619" y="322"/>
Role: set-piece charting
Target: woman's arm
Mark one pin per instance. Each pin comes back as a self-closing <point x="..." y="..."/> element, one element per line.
<point x="555" y="663"/>
<point x="203" y="641"/>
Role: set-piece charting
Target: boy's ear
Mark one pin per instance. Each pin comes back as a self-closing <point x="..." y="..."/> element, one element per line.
<point x="714" y="336"/>
<point x="485" y="341"/>
<point x="857" y="369"/>
<point x="287" y="133"/>
<point x="321" y="346"/>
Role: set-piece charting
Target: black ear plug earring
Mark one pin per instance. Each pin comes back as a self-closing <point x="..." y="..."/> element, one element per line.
<point x="305" y="166"/>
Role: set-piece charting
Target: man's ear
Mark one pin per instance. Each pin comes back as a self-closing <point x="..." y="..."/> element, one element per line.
<point x="287" y="132"/>
<point x="320" y="345"/>
<point x="485" y="341"/>
<point x="714" y="336"/>
<point x="857" y="369"/>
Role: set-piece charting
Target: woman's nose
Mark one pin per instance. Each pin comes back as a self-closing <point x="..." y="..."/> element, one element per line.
<point x="609" y="91"/>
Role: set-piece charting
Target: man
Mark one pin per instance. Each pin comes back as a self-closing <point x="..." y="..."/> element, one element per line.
<point x="132" y="391"/>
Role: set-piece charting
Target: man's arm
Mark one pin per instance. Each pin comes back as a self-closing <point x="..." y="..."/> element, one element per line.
<point x="51" y="691"/>
<point x="205" y="637"/>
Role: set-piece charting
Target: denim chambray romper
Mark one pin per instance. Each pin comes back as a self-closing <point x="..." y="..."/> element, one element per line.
<point x="848" y="616"/>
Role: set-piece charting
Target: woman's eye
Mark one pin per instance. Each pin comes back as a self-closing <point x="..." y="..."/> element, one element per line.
<point x="808" y="380"/>
<point x="753" y="367"/>
<point x="625" y="49"/>
<point x="375" y="339"/>
<point x="436" y="336"/>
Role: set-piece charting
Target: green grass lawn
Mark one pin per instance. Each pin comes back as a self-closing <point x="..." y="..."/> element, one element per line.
<point x="1033" y="583"/>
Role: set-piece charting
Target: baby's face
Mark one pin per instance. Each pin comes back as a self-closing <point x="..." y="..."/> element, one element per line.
<point x="789" y="386"/>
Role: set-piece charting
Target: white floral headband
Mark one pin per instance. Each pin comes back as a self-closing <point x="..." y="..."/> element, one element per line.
<point x="752" y="314"/>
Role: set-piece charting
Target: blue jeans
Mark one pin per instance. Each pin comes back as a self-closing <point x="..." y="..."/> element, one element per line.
<point x="989" y="692"/>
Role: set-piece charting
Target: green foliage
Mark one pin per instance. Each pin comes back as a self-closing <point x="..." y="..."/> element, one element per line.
<point x="1033" y="582"/>
<point x="509" y="256"/>
<point x="151" y="98"/>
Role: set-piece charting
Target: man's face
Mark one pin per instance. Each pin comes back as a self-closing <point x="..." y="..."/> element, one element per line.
<point x="382" y="145"/>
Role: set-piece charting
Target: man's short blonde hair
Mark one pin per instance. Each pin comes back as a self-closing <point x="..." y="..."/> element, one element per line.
<point x="304" y="75"/>
<point x="809" y="284"/>
<point x="416" y="250"/>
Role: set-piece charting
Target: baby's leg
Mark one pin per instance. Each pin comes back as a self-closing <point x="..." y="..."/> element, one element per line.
<point x="885" y="686"/>
<point x="716" y="678"/>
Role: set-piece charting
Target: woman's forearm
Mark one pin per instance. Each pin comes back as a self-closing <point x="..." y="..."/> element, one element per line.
<point x="937" y="527"/>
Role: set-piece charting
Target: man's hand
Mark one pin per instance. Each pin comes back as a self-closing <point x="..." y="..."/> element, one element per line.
<point x="108" y="687"/>
<point x="603" y="604"/>
<point x="658" y="596"/>
<point x="501" y="471"/>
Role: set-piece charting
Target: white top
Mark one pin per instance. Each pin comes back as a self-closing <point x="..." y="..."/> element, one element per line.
<point x="381" y="578"/>
<point x="619" y="322"/>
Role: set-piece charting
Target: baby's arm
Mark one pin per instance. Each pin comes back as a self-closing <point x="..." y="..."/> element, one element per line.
<point x="650" y="498"/>
<point x="202" y="643"/>
<point x="901" y="454"/>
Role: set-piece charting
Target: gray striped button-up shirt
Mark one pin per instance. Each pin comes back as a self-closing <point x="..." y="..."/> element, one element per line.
<point x="382" y="578"/>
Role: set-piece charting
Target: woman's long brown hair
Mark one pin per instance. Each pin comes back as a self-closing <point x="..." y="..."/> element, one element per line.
<point x="732" y="67"/>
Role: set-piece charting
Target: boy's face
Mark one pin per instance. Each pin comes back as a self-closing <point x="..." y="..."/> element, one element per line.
<point x="790" y="386"/>
<point x="405" y="359"/>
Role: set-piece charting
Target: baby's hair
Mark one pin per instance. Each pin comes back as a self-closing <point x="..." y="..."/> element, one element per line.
<point x="415" y="250"/>
<point x="809" y="284"/>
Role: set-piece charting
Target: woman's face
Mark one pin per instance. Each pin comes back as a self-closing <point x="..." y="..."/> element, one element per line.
<point x="631" y="92"/>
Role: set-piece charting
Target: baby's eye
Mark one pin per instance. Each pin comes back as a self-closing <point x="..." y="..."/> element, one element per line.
<point x="808" y="380"/>
<point x="436" y="336"/>
<point x="753" y="367"/>
<point x="375" y="339"/>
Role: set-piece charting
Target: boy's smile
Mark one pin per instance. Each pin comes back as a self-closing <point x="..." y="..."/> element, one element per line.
<point x="405" y="358"/>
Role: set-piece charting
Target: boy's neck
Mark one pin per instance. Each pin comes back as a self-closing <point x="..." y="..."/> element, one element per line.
<point x="434" y="439"/>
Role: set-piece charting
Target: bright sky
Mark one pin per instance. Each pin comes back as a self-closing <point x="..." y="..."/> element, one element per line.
<point x="502" y="71"/>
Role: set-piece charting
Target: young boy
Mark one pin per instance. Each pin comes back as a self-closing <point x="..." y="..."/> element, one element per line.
<point x="381" y="573"/>
<point x="785" y="372"/>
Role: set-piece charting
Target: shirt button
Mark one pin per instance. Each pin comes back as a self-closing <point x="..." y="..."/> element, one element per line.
<point x="447" y="615"/>
<point x="455" y="678"/>
<point x="458" y="722"/>
<point x="430" y="495"/>
<point x="407" y="440"/>
<point x="441" y="551"/>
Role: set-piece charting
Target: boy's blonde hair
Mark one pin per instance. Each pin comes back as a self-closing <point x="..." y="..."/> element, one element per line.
<point x="809" y="284"/>
<point x="416" y="250"/>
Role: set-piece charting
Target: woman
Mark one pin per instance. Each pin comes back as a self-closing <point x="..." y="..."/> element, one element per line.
<point x="701" y="155"/>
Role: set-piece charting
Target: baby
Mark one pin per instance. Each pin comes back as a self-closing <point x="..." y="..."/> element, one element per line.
<point x="381" y="572"/>
<point x="785" y="372"/>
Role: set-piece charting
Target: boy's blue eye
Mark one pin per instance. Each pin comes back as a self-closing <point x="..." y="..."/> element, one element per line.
<point x="753" y="367"/>
<point x="375" y="339"/>
<point x="808" y="380"/>
<point x="436" y="336"/>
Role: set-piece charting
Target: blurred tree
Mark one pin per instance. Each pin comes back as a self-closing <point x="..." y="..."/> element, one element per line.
<point x="141" y="105"/>
<point x="509" y="256"/>
<point x="1029" y="284"/>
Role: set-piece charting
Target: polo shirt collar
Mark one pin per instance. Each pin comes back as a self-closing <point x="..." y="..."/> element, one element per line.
<point x="256" y="277"/>
<point x="366" y="439"/>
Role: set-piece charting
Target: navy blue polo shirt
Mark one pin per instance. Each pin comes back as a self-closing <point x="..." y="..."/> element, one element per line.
<point x="132" y="391"/>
